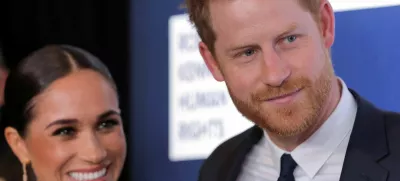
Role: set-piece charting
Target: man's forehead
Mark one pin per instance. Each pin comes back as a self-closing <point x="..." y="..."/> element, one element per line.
<point x="213" y="2"/>
<point x="230" y="1"/>
<point x="222" y="1"/>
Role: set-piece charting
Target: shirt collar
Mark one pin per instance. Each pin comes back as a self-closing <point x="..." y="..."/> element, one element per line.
<point x="316" y="150"/>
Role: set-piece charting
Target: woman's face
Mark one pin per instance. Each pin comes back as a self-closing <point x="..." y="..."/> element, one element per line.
<point x="76" y="133"/>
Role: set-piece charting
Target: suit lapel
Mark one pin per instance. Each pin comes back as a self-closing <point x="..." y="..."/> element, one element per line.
<point x="367" y="145"/>
<point x="234" y="161"/>
<point x="360" y="167"/>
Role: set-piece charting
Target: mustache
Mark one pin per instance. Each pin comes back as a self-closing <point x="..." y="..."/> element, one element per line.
<point x="287" y="88"/>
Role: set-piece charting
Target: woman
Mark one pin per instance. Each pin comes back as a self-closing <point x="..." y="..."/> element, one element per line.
<point x="62" y="116"/>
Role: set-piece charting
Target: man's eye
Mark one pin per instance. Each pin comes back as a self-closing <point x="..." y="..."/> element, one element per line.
<point x="249" y="52"/>
<point x="290" y="39"/>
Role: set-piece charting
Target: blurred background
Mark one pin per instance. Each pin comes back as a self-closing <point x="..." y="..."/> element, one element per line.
<point x="175" y="113"/>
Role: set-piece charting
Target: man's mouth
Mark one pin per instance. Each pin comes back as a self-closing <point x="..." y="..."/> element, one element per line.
<point x="284" y="98"/>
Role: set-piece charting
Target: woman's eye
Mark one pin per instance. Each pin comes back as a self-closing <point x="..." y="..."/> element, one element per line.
<point x="67" y="131"/>
<point x="107" y="124"/>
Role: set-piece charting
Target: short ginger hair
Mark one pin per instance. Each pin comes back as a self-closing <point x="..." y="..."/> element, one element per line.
<point x="199" y="15"/>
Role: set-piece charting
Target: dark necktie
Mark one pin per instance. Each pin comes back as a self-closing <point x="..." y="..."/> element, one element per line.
<point x="287" y="168"/>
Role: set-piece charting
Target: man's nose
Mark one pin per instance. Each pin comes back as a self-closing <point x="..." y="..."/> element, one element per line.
<point x="275" y="71"/>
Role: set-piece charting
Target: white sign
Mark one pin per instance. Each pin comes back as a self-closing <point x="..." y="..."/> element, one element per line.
<point x="201" y="112"/>
<point x="350" y="5"/>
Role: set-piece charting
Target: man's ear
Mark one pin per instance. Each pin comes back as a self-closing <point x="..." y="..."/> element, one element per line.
<point x="17" y="144"/>
<point x="327" y="23"/>
<point x="211" y="62"/>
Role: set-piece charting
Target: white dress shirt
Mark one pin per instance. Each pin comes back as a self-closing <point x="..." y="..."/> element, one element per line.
<point x="319" y="158"/>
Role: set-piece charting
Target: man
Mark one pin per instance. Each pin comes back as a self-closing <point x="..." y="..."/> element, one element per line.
<point x="274" y="56"/>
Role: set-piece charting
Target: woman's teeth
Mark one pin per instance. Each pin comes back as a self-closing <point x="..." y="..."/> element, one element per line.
<point x="87" y="176"/>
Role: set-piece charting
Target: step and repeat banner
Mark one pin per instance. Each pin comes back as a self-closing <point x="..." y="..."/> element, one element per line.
<point x="180" y="113"/>
<point x="201" y="113"/>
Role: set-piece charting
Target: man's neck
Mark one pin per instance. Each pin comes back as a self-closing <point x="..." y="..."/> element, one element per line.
<point x="290" y="143"/>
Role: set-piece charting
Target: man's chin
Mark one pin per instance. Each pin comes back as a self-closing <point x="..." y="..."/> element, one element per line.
<point x="285" y="131"/>
<point x="283" y="125"/>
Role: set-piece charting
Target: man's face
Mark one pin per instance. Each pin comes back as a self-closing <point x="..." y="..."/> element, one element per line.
<point x="275" y="60"/>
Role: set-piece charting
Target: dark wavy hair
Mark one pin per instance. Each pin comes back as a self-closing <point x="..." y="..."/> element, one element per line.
<point x="35" y="73"/>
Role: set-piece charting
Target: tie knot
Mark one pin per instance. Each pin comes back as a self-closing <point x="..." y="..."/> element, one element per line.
<point x="287" y="166"/>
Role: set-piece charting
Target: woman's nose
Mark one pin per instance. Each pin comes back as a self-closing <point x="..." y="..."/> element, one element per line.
<point x="93" y="151"/>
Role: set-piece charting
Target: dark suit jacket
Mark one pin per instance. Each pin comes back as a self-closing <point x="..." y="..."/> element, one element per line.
<point x="373" y="153"/>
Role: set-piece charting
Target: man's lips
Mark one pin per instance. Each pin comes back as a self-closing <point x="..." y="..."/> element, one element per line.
<point x="283" y="96"/>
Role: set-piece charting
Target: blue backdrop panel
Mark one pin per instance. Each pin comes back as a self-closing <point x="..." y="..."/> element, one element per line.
<point x="366" y="55"/>
<point x="149" y="48"/>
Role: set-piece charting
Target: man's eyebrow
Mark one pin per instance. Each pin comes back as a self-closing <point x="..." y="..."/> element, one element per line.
<point x="289" y="29"/>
